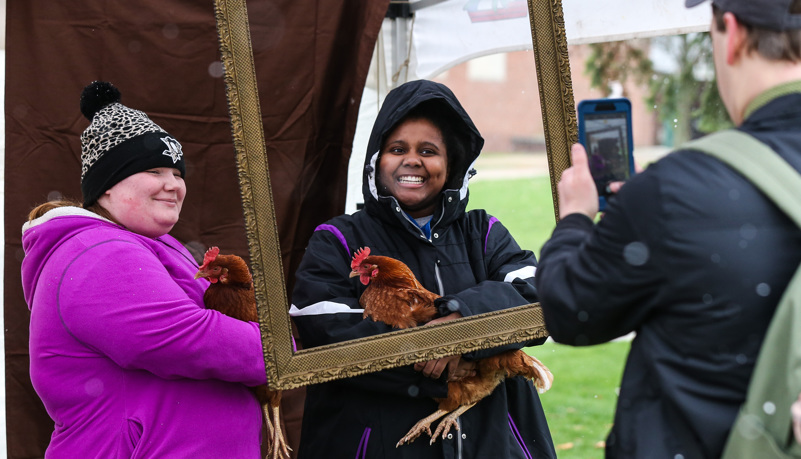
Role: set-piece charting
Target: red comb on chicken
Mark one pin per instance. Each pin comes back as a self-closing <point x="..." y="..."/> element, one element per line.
<point x="359" y="256"/>
<point x="395" y="297"/>
<point x="210" y="256"/>
<point x="365" y="270"/>
<point x="231" y="292"/>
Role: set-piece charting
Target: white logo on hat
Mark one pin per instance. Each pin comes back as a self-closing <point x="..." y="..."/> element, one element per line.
<point x="173" y="149"/>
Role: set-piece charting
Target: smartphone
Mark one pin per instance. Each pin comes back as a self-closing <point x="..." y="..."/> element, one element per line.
<point x="605" y="131"/>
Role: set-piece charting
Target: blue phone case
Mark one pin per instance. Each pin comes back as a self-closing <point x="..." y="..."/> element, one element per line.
<point x="605" y="131"/>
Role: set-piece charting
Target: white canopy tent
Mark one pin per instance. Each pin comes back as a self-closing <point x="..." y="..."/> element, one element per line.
<point x="444" y="33"/>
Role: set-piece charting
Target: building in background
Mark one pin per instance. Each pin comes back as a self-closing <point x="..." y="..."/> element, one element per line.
<point x="500" y="93"/>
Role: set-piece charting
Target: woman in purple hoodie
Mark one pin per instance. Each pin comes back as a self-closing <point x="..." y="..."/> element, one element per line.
<point x="125" y="357"/>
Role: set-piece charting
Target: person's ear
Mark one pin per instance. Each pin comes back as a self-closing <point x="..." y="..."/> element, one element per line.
<point x="735" y="38"/>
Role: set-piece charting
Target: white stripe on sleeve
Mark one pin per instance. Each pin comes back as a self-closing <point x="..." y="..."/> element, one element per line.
<point x="522" y="273"/>
<point x="323" y="307"/>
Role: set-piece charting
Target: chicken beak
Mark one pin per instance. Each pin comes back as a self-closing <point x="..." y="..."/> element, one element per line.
<point x="200" y="274"/>
<point x="353" y="273"/>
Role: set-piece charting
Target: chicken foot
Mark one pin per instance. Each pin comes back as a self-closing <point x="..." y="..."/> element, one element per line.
<point x="449" y="422"/>
<point x="278" y="448"/>
<point x="445" y="426"/>
<point x="423" y="425"/>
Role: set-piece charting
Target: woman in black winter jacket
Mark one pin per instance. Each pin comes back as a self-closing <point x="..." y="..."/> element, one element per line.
<point x="420" y="156"/>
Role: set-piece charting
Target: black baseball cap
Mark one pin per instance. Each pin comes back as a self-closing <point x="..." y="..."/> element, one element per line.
<point x="766" y="14"/>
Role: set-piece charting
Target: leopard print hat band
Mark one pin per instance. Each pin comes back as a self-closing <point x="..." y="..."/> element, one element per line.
<point x="119" y="142"/>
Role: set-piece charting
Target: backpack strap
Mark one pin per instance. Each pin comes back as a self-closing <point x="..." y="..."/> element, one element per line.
<point x="758" y="163"/>
<point x="763" y="427"/>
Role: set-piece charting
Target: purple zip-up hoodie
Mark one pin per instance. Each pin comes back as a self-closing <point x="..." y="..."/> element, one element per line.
<point x="128" y="362"/>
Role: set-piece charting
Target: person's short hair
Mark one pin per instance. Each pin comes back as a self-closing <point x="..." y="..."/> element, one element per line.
<point x="770" y="44"/>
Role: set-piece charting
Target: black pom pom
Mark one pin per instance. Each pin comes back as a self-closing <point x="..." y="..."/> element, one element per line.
<point x="97" y="95"/>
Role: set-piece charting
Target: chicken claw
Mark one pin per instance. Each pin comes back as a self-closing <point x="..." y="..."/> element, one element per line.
<point x="423" y="425"/>
<point x="278" y="448"/>
<point x="449" y="422"/>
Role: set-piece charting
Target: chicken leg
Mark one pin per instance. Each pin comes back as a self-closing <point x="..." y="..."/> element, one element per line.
<point x="465" y="393"/>
<point x="277" y="447"/>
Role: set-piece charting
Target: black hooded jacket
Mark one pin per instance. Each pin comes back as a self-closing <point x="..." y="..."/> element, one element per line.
<point x="693" y="258"/>
<point x="469" y="258"/>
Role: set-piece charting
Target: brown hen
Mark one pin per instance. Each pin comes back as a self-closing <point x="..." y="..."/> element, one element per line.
<point x="393" y="294"/>
<point x="231" y="293"/>
<point x="395" y="297"/>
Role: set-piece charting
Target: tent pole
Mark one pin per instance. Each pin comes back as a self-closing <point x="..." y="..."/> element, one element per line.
<point x="399" y="50"/>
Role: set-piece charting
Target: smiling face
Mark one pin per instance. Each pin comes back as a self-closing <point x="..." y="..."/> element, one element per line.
<point x="148" y="202"/>
<point x="414" y="166"/>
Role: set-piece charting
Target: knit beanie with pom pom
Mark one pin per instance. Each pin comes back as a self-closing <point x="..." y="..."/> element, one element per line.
<point x="119" y="142"/>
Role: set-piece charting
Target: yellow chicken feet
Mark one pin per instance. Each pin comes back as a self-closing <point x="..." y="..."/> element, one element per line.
<point x="278" y="448"/>
<point x="422" y="425"/>
<point x="449" y="422"/>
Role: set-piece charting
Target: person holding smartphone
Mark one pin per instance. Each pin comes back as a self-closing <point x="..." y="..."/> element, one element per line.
<point x="605" y="131"/>
<point x="689" y="255"/>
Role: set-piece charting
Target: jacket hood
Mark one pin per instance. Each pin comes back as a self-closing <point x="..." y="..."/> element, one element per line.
<point x="398" y="103"/>
<point x="42" y="236"/>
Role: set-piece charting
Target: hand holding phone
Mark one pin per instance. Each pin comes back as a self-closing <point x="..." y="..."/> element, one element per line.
<point x="577" y="193"/>
<point x="605" y="132"/>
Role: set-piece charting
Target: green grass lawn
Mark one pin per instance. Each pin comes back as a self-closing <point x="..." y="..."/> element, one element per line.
<point x="524" y="206"/>
<point x="580" y="407"/>
<point x="581" y="404"/>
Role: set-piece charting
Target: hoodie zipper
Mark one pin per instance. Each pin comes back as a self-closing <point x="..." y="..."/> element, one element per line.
<point x="441" y="214"/>
<point x="459" y="438"/>
<point x="439" y="280"/>
<point x="441" y="289"/>
<point x="406" y="217"/>
<point x="419" y="230"/>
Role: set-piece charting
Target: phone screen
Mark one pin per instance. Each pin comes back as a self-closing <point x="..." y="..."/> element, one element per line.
<point x="606" y="141"/>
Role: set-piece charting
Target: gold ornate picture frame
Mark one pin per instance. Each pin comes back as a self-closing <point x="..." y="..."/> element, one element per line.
<point x="286" y="368"/>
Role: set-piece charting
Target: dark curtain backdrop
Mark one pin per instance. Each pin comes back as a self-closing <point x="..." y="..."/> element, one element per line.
<point x="312" y="59"/>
